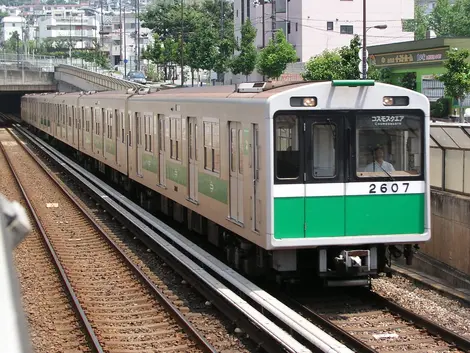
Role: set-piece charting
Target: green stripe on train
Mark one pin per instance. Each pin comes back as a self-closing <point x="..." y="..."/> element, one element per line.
<point x="337" y="216"/>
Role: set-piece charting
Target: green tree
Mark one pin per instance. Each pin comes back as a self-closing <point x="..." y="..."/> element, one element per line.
<point x="13" y="43"/>
<point x="326" y="66"/>
<point x="419" y="25"/>
<point x="456" y="79"/>
<point x="350" y="58"/>
<point x="274" y="58"/>
<point x="380" y="74"/>
<point x="441" y="18"/>
<point x="223" y="57"/>
<point x="163" y="53"/>
<point x="201" y="48"/>
<point x="245" y="61"/>
<point x="342" y="64"/>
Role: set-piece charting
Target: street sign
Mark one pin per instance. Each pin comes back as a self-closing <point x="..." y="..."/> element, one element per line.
<point x="360" y="67"/>
<point x="359" y="54"/>
<point x="126" y="61"/>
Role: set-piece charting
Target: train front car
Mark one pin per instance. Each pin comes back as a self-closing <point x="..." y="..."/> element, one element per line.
<point x="350" y="187"/>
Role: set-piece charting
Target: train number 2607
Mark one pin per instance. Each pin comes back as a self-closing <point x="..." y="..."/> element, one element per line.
<point x="384" y="188"/>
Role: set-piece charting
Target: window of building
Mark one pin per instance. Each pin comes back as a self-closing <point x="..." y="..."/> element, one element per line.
<point x="346" y="29"/>
<point x="296" y="26"/>
<point x="329" y="26"/>
<point x="175" y="138"/>
<point x="211" y="146"/>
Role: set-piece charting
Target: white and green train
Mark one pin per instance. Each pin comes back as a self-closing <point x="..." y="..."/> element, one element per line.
<point x="324" y="179"/>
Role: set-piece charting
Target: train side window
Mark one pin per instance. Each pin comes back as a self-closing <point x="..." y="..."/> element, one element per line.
<point x="323" y="150"/>
<point x="148" y="122"/>
<point x="175" y="138"/>
<point x="122" y="127"/>
<point x="211" y="147"/>
<point x="287" y="147"/>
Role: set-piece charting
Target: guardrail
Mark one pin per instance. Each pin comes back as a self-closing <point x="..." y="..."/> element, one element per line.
<point x="450" y="157"/>
<point x="105" y="81"/>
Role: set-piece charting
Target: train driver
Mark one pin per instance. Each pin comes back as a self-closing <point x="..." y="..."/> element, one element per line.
<point x="379" y="164"/>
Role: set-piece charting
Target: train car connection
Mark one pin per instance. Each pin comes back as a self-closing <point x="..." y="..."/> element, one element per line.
<point x="318" y="179"/>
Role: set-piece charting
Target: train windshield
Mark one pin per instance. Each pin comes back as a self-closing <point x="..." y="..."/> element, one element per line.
<point x="388" y="145"/>
<point x="317" y="147"/>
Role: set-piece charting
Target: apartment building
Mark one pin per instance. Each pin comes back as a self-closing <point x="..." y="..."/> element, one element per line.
<point x="315" y="25"/>
<point x="80" y="27"/>
<point x="11" y="24"/>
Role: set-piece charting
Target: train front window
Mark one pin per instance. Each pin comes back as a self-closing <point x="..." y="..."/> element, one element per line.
<point x="388" y="145"/>
<point x="287" y="147"/>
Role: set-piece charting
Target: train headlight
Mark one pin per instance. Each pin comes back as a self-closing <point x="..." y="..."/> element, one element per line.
<point x="396" y="101"/>
<point x="310" y="102"/>
<point x="303" y="102"/>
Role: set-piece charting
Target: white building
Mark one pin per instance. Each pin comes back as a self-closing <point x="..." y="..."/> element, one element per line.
<point x="121" y="44"/>
<point x="68" y="25"/>
<point x="11" y="24"/>
<point x="315" y="25"/>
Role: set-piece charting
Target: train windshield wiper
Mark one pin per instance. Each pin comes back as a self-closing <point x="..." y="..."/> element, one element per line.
<point x="389" y="175"/>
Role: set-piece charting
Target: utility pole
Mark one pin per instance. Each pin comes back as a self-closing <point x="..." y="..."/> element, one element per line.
<point x="138" y="35"/>
<point x="120" y="30"/>
<point x="182" y="47"/>
<point x="364" y="42"/>
<point x="135" y="35"/>
<point x="263" y="29"/>
<point x="83" y="43"/>
<point x="125" y="47"/>
<point x="102" y="23"/>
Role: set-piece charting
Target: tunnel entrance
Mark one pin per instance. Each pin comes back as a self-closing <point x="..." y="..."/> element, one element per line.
<point x="10" y="102"/>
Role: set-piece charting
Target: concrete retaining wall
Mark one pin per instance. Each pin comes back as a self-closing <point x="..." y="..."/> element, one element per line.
<point x="450" y="230"/>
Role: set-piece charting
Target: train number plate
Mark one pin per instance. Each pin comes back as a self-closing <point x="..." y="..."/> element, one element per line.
<point x="389" y="188"/>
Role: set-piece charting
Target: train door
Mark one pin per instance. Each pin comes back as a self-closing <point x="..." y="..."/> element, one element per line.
<point x="324" y="199"/>
<point x="256" y="207"/>
<point x="138" y="142"/>
<point x="161" y="150"/>
<point x="192" y="159"/>
<point x="236" y="171"/>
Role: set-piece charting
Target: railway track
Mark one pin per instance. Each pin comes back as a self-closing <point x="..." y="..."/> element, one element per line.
<point x="54" y="325"/>
<point x="120" y="308"/>
<point x="237" y="298"/>
<point x="367" y="322"/>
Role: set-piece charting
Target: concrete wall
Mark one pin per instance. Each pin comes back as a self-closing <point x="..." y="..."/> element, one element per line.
<point x="450" y="230"/>
<point x="28" y="77"/>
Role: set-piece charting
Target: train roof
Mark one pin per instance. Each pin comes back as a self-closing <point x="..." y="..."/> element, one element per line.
<point x="260" y="90"/>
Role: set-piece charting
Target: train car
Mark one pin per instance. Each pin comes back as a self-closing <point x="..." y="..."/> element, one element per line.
<point x="324" y="179"/>
<point x="103" y="129"/>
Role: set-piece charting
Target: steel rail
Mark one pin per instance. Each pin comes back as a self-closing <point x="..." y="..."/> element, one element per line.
<point x="90" y="333"/>
<point x="348" y="339"/>
<point x="173" y="310"/>
<point x="264" y="340"/>
<point x="431" y="327"/>
<point x="418" y="320"/>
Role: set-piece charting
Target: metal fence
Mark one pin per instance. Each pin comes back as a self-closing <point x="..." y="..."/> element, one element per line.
<point x="450" y="157"/>
<point x="43" y="63"/>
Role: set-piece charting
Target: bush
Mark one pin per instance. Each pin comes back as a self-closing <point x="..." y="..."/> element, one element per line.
<point x="441" y="108"/>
